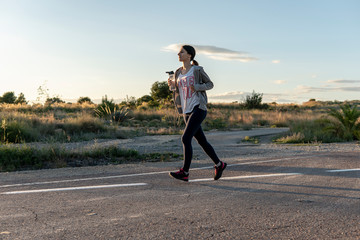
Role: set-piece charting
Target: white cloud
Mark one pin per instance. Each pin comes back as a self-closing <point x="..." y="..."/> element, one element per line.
<point x="275" y="61"/>
<point x="279" y="82"/>
<point x="344" y="81"/>
<point x="239" y="96"/>
<point x="308" y="89"/>
<point x="214" y="52"/>
<point x="229" y="96"/>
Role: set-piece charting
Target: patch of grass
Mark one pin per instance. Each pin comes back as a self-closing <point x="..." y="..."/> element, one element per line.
<point x="294" y="138"/>
<point x="254" y="140"/>
<point x="25" y="157"/>
<point x="311" y="131"/>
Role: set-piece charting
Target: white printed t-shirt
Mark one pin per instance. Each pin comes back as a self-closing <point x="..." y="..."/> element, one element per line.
<point x="189" y="98"/>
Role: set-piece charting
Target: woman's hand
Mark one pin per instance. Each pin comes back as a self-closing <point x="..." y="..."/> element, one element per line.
<point x="170" y="82"/>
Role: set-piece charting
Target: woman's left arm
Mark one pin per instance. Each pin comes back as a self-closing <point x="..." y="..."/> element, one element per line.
<point x="205" y="83"/>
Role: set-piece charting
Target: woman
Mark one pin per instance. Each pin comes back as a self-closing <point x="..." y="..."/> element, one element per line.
<point x="190" y="99"/>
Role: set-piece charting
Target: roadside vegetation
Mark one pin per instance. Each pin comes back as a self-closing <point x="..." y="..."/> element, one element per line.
<point x="55" y="121"/>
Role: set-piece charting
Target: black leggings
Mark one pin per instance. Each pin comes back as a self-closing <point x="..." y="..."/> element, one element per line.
<point x="193" y="129"/>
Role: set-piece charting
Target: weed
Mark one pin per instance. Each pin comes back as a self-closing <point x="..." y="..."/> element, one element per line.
<point x="254" y="140"/>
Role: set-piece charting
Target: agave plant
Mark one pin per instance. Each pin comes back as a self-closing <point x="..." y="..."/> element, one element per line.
<point x="109" y="111"/>
<point x="347" y="123"/>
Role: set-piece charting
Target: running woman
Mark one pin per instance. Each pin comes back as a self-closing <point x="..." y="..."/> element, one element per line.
<point x="190" y="99"/>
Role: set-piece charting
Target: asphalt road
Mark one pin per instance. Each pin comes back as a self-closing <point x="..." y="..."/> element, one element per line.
<point x="310" y="195"/>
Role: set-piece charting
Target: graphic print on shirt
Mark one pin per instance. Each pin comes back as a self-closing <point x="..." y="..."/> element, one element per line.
<point x="185" y="83"/>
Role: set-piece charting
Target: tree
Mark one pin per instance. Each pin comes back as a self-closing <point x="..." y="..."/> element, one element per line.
<point x="145" y="98"/>
<point x="52" y="100"/>
<point x="82" y="100"/>
<point x="160" y="91"/>
<point x="21" y="99"/>
<point x="8" y="97"/>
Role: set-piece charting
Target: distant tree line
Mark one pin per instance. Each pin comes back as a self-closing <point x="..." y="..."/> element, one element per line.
<point x="10" y="98"/>
<point x="159" y="95"/>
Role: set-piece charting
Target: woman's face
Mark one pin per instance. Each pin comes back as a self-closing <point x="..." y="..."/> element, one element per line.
<point x="183" y="55"/>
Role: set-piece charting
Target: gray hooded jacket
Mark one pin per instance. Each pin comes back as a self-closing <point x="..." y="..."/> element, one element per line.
<point x="202" y="84"/>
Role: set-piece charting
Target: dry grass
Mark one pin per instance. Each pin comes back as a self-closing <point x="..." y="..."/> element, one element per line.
<point x="77" y="122"/>
<point x="256" y="118"/>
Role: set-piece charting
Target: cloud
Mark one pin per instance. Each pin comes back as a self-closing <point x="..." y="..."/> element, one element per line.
<point x="214" y="52"/>
<point x="308" y="89"/>
<point x="229" y="96"/>
<point x="344" y="81"/>
<point x="239" y="96"/>
<point x="279" y="82"/>
<point x="275" y="61"/>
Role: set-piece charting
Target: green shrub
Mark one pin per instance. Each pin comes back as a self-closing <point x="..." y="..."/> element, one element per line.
<point x="14" y="131"/>
<point x="111" y="112"/>
<point x="308" y="131"/>
<point x="346" y="124"/>
<point x="254" y="100"/>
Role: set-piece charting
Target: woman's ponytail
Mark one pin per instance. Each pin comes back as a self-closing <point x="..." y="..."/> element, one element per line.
<point x="191" y="50"/>
<point x="195" y="62"/>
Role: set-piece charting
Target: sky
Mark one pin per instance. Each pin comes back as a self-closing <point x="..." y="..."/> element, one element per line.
<point x="288" y="50"/>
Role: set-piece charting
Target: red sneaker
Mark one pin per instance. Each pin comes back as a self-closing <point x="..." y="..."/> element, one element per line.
<point x="219" y="170"/>
<point x="181" y="175"/>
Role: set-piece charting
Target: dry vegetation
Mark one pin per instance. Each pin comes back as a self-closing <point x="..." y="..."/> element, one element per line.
<point x="64" y="122"/>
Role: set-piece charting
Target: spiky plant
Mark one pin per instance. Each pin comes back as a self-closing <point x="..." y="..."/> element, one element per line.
<point x="112" y="113"/>
<point x="347" y="123"/>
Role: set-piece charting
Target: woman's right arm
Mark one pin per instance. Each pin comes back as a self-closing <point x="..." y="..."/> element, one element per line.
<point x="171" y="84"/>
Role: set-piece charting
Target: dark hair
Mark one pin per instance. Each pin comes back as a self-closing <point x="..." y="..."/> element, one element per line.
<point x="191" y="50"/>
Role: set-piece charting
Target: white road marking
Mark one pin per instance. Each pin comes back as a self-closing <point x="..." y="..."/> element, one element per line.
<point x="80" y="179"/>
<point x="344" y="170"/>
<point x="141" y="174"/>
<point x="75" y="188"/>
<point x="244" y="177"/>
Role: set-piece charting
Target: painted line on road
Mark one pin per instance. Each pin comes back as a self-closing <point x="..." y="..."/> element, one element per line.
<point x="75" y="188"/>
<point x="79" y="179"/>
<point x="245" y="177"/>
<point x="344" y="170"/>
<point x="143" y="174"/>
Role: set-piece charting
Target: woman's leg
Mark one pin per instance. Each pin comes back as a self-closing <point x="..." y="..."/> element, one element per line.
<point x="193" y="124"/>
<point x="206" y="146"/>
<point x="219" y="165"/>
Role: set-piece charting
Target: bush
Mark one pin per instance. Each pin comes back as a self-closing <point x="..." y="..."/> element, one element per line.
<point x="346" y="124"/>
<point x="254" y="100"/>
<point x="160" y="92"/>
<point x="8" y="97"/>
<point x="53" y="100"/>
<point x="82" y="100"/>
<point x="111" y="112"/>
<point x="15" y="131"/>
<point x="308" y="131"/>
<point x="20" y="99"/>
